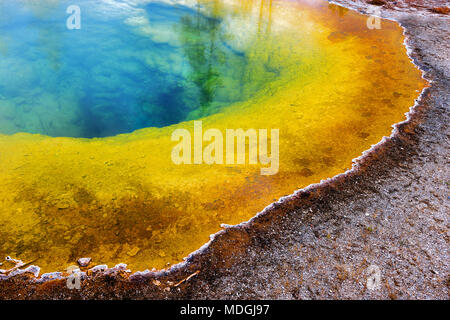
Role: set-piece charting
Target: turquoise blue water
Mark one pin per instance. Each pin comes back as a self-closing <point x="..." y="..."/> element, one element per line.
<point x="126" y="68"/>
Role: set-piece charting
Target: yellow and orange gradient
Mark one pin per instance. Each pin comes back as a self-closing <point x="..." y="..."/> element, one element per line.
<point x="121" y="199"/>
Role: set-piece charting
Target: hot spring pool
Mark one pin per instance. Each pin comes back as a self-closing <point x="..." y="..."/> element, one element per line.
<point x="87" y="117"/>
<point x="124" y="69"/>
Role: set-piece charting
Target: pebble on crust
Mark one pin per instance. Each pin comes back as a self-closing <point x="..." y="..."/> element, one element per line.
<point x="84" y="262"/>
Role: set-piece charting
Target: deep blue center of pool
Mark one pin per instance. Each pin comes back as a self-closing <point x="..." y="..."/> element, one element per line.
<point x="120" y="72"/>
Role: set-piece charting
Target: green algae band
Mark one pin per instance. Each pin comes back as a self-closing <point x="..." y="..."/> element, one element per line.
<point x="71" y="187"/>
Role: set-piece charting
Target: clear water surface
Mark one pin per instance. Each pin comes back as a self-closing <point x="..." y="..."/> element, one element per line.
<point x="126" y="68"/>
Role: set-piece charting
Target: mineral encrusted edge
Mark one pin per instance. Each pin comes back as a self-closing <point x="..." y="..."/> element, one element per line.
<point x="356" y="162"/>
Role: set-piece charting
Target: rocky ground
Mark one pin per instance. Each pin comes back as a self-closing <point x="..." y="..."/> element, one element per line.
<point x="389" y="214"/>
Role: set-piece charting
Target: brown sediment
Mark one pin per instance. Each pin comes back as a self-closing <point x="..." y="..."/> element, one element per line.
<point x="442" y="10"/>
<point x="401" y="4"/>
<point x="390" y="210"/>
